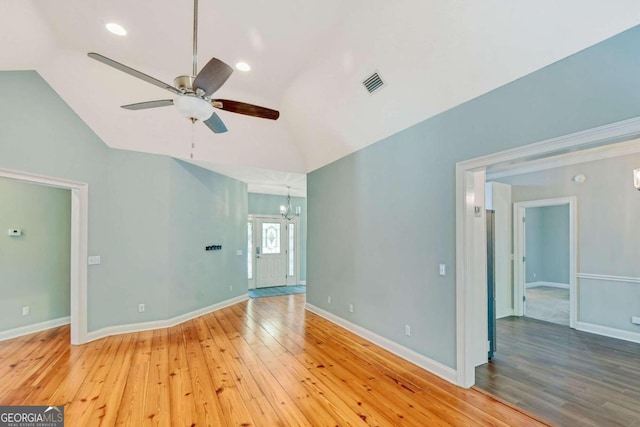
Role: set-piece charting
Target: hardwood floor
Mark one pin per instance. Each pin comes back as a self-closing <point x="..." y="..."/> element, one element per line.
<point x="569" y="377"/>
<point x="263" y="362"/>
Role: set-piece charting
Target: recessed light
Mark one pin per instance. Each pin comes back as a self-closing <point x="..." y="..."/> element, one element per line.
<point x="243" y="66"/>
<point x="116" y="29"/>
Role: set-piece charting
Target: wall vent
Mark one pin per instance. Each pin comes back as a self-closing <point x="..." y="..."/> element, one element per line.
<point x="373" y="83"/>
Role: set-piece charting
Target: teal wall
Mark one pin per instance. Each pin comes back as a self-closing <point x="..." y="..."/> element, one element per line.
<point x="134" y="208"/>
<point x="547" y="244"/>
<point x="34" y="268"/>
<point x="203" y="215"/>
<point x="396" y="222"/>
<point x="268" y="204"/>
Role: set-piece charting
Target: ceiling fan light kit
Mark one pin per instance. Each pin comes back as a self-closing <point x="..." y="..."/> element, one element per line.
<point x="193" y="107"/>
<point x="194" y="92"/>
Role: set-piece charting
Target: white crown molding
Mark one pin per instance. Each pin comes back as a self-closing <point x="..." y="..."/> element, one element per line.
<point x="160" y="324"/>
<point x="36" y="327"/>
<point x="568" y="159"/>
<point x="418" y="359"/>
<point x="619" y="131"/>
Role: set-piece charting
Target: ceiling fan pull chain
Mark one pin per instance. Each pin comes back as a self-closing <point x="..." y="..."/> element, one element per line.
<point x="193" y="141"/>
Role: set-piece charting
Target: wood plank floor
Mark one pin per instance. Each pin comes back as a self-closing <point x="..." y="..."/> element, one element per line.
<point x="263" y="362"/>
<point x="569" y="377"/>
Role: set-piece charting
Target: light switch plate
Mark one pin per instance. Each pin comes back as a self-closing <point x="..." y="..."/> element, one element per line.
<point x="94" y="260"/>
<point x="443" y="269"/>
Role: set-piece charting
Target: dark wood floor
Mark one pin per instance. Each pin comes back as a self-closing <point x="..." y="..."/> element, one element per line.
<point x="568" y="377"/>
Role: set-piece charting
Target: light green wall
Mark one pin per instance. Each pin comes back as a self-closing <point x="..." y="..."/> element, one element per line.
<point x="34" y="268"/>
<point x="135" y="201"/>
<point x="547" y="241"/>
<point x="396" y="221"/>
<point x="269" y="204"/>
<point x="208" y="209"/>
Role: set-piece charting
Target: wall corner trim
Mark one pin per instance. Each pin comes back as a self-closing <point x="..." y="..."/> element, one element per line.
<point x="161" y="324"/>
<point x="414" y="357"/>
<point x="36" y="327"/>
<point x="606" y="331"/>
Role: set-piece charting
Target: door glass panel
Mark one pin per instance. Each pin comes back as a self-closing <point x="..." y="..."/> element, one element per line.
<point x="292" y="248"/>
<point x="270" y="238"/>
<point x="250" y="249"/>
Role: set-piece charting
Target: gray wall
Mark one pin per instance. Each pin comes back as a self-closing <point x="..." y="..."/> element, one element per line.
<point x="547" y="244"/>
<point x="268" y="204"/>
<point x="608" y="226"/>
<point x="34" y="268"/>
<point x="136" y="201"/>
<point x="396" y="221"/>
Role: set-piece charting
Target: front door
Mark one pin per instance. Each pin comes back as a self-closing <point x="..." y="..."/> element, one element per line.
<point x="271" y="252"/>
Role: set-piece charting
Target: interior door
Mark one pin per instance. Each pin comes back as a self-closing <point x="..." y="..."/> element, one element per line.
<point x="271" y="252"/>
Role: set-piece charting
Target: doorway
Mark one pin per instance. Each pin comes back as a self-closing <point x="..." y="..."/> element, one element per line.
<point x="544" y="233"/>
<point x="79" y="244"/>
<point x="273" y="250"/>
<point x="471" y="263"/>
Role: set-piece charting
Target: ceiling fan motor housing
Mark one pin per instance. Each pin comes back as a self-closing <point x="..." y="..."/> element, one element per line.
<point x="184" y="83"/>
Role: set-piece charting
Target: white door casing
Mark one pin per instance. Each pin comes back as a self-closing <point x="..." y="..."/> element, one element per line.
<point x="468" y="272"/>
<point x="519" y="245"/>
<point x="272" y="251"/>
<point x="79" y="245"/>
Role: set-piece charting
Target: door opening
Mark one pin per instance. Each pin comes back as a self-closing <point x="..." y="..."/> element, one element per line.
<point x="273" y="251"/>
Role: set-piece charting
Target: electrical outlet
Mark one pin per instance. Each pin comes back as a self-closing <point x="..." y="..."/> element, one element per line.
<point x="140" y="308"/>
<point x="25" y="310"/>
<point x="350" y="308"/>
<point x="407" y="330"/>
<point x="329" y="299"/>
<point x="239" y="252"/>
<point x="635" y="320"/>
<point x="94" y="260"/>
<point x="443" y="269"/>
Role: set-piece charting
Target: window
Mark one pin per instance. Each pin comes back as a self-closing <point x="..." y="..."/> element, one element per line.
<point x="292" y="248"/>
<point x="250" y="250"/>
<point x="270" y="238"/>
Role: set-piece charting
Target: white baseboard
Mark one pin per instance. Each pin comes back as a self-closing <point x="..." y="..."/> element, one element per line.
<point x="549" y="284"/>
<point x="609" y="332"/>
<point x="505" y="313"/>
<point x="416" y="358"/>
<point x="36" y="327"/>
<point x="160" y="324"/>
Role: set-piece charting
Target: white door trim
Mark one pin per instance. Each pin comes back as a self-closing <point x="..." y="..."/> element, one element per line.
<point x="519" y="279"/>
<point x="79" y="244"/>
<point x="467" y="274"/>
<point x="253" y="283"/>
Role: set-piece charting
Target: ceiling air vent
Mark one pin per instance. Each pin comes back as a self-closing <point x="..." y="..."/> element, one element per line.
<point x="373" y="83"/>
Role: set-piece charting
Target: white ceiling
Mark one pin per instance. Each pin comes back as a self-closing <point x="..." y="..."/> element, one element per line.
<point x="308" y="60"/>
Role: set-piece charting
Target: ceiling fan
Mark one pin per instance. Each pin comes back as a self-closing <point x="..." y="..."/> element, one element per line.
<point x="194" y="92"/>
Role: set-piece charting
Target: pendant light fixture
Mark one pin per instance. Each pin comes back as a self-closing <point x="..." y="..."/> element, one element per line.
<point x="288" y="211"/>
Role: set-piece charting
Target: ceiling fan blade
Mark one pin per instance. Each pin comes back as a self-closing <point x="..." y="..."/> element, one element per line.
<point x="246" y="109"/>
<point x="212" y="76"/>
<point x="132" y="72"/>
<point x="215" y="124"/>
<point x="149" y="104"/>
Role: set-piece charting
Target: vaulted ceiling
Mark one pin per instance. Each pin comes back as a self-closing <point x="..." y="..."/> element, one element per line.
<point x="308" y="60"/>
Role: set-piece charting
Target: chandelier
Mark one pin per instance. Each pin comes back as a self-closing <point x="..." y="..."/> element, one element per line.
<point x="288" y="211"/>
